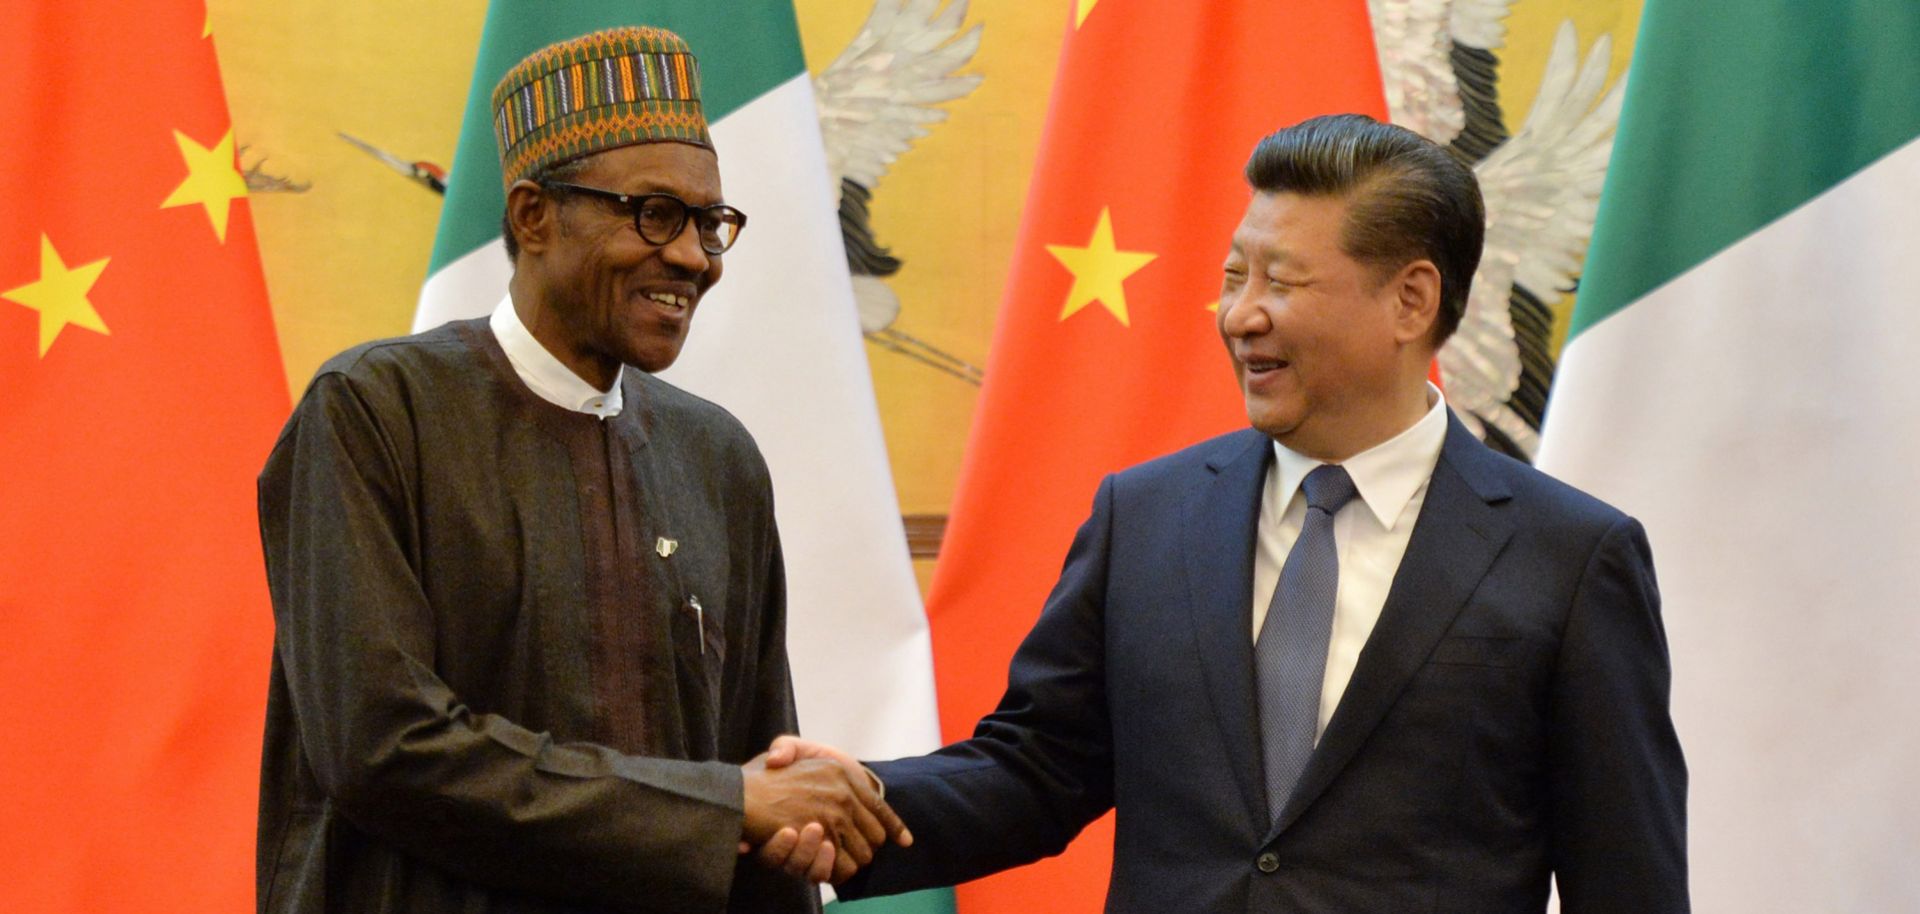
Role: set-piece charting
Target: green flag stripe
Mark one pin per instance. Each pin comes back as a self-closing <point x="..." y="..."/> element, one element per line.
<point x="938" y="901"/>
<point x="744" y="50"/>
<point x="1738" y="111"/>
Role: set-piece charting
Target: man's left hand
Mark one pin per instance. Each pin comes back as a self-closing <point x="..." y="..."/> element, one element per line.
<point x="809" y="851"/>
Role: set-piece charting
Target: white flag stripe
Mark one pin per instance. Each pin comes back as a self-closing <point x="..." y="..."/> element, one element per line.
<point x="778" y="343"/>
<point x="465" y="287"/>
<point x="1758" y="413"/>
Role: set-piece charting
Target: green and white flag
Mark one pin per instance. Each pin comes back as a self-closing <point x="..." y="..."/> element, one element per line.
<point x="1740" y="375"/>
<point x="777" y="342"/>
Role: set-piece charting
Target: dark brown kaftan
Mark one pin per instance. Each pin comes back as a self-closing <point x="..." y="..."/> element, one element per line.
<point x="491" y="690"/>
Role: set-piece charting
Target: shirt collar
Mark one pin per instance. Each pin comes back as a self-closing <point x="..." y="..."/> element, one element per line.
<point x="547" y="376"/>
<point x="1388" y="474"/>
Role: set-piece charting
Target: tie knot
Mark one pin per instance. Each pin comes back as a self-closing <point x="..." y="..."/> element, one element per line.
<point x="1329" y="488"/>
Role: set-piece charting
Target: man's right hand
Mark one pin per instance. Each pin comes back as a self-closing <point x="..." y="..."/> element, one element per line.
<point x="815" y="804"/>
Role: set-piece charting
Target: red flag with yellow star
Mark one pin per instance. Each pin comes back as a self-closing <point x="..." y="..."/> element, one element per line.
<point x="140" y="390"/>
<point x="1106" y="353"/>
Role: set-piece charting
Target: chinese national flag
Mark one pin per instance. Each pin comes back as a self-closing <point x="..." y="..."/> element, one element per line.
<point x="140" y="390"/>
<point x="1106" y="353"/>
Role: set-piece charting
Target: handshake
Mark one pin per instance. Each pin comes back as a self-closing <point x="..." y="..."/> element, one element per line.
<point x="814" y="812"/>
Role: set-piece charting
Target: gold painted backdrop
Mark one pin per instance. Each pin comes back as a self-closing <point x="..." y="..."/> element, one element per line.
<point x="345" y="240"/>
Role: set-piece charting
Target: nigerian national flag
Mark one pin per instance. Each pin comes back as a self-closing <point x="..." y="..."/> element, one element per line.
<point x="777" y="342"/>
<point x="1740" y="376"/>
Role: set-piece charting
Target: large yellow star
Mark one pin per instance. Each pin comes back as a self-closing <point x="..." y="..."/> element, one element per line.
<point x="61" y="295"/>
<point x="212" y="180"/>
<point x="1099" y="270"/>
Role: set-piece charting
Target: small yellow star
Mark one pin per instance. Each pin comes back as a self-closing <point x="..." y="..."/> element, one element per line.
<point x="1099" y="270"/>
<point x="1080" y="10"/>
<point x="212" y="180"/>
<point x="61" y="295"/>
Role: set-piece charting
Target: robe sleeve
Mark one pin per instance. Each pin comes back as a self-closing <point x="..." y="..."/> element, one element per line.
<point x="769" y="692"/>
<point x="398" y="753"/>
<point x="773" y="704"/>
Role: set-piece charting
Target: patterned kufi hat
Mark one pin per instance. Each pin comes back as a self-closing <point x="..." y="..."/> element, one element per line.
<point x="600" y="91"/>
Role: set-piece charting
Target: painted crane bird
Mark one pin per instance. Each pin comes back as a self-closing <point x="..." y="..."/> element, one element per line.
<point x="1542" y="189"/>
<point x="875" y="99"/>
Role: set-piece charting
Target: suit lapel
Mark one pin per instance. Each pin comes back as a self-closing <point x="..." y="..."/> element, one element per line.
<point x="1218" y="537"/>
<point x="1454" y="542"/>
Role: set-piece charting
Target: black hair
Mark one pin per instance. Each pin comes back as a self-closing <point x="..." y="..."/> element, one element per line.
<point x="1410" y="198"/>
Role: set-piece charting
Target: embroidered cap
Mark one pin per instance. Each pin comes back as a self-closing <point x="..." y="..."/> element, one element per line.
<point x="603" y="90"/>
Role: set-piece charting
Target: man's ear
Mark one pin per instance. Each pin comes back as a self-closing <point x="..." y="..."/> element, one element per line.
<point x="531" y="216"/>
<point x="1416" y="302"/>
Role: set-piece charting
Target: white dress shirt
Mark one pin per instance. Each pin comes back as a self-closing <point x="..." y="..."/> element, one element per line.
<point x="547" y="376"/>
<point x="1371" y="533"/>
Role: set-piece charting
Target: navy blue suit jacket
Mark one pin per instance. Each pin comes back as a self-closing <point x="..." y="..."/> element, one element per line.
<point x="1507" y="719"/>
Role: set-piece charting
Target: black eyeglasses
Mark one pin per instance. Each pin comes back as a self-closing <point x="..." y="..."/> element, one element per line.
<point x="660" y="218"/>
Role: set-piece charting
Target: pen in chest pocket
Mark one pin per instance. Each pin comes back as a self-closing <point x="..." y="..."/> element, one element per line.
<point x="699" y="621"/>
<point x="665" y="547"/>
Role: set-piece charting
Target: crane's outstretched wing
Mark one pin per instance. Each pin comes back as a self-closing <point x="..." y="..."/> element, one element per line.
<point x="1436" y="64"/>
<point x="880" y="94"/>
<point x="1542" y="189"/>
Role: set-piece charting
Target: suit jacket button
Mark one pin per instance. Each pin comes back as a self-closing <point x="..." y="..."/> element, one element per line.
<point x="1268" y="862"/>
